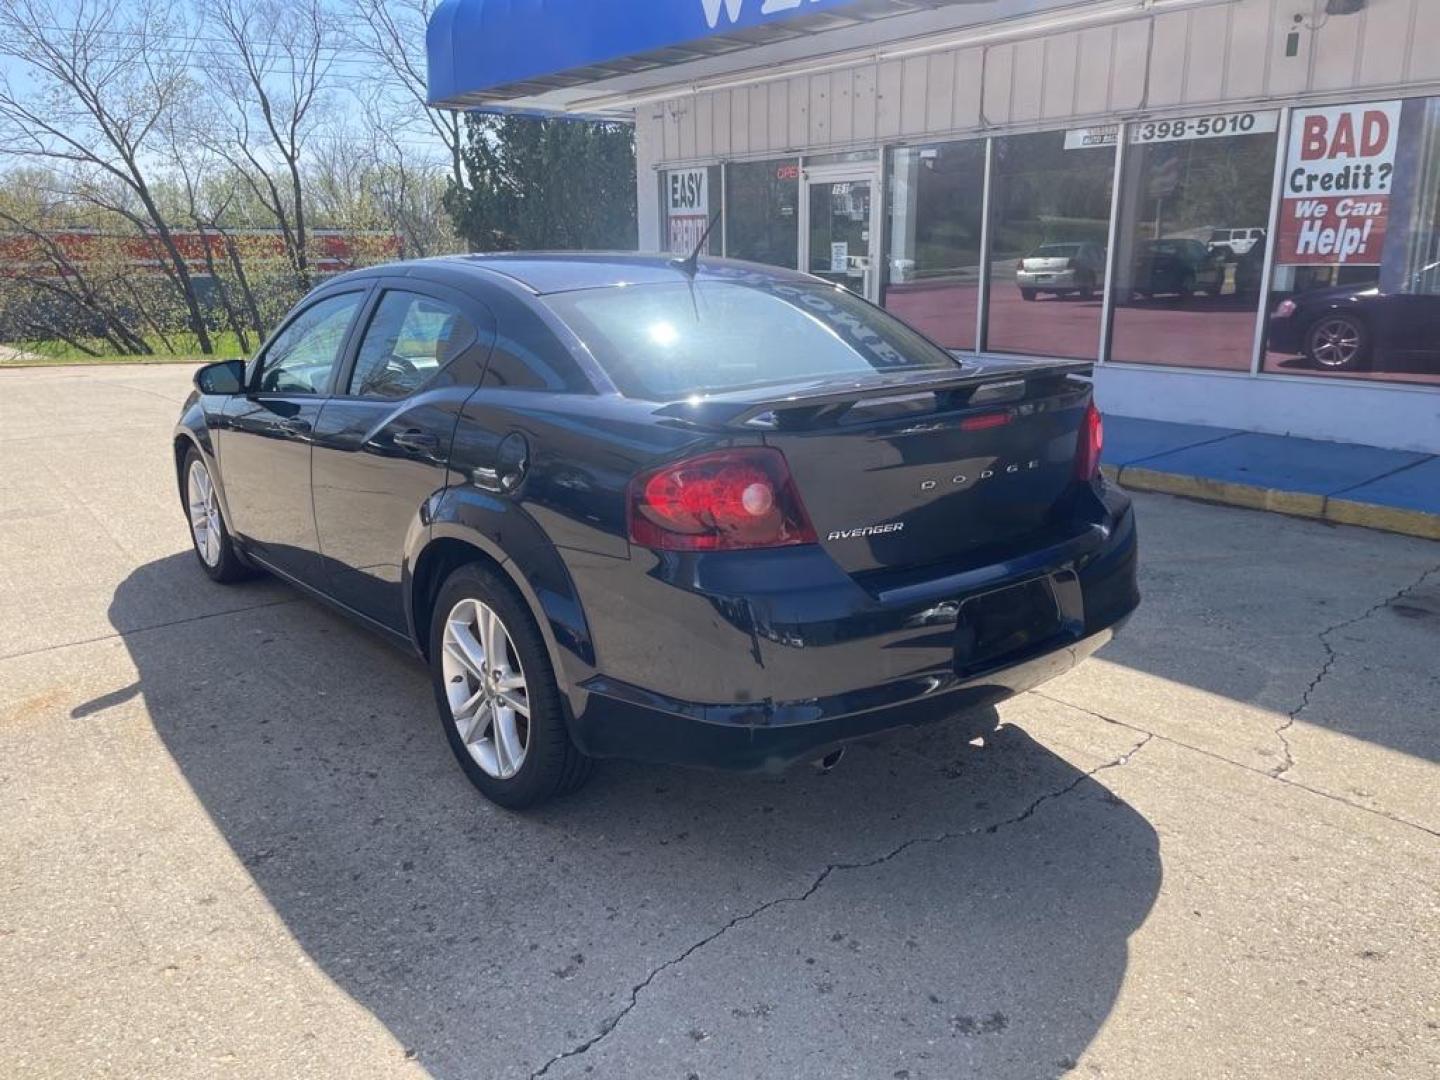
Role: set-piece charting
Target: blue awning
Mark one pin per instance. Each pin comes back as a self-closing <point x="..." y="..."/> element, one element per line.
<point x="487" y="52"/>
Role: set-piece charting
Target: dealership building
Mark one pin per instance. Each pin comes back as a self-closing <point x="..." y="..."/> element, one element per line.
<point x="1232" y="206"/>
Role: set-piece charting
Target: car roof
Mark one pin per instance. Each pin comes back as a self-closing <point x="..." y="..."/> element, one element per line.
<point x="554" y="272"/>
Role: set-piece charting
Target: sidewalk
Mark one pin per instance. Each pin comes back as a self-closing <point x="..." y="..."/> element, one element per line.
<point x="1347" y="483"/>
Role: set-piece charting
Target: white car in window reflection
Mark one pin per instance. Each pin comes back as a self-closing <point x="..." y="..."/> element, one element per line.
<point x="1061" y="269"/>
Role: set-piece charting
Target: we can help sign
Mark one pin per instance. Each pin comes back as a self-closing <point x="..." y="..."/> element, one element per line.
<point x="1338" y="172"/>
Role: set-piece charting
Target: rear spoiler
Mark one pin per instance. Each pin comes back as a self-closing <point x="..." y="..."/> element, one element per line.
<point x="1004" y="380"/>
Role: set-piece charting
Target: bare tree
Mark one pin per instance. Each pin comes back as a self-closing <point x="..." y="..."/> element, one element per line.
<point x="87" y="87"/>
<point x="270" y="89"/>
<point x="409" y="193"/>
<point x="390" y="34"/>
<point x="209" y="190"/>
<point x="374" y="179"/>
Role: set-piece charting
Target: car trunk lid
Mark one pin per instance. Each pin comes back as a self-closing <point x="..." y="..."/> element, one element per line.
<point x="901" y="472"/>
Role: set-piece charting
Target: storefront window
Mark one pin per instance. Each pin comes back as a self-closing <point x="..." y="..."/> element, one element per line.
<point x="1051" y="218"/>
<point x="1355" y="290"/>
<point x="689" y="200"/>
<point x="1191" y="245"/>
<point x="933" y="265"/>
<point x="762" y="208"/>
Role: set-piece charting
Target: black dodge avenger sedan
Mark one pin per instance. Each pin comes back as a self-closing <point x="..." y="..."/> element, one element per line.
<point x="705" y="513"/>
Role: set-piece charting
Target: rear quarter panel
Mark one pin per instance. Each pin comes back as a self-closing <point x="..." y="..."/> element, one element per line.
<point x="561" y="535"/>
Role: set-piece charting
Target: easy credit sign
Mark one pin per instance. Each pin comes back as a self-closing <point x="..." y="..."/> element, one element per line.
<point x="1339" y="167"/>
<point x="687" y="200"/>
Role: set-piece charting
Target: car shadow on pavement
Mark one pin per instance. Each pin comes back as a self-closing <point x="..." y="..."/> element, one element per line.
<point x="938" y="904"/>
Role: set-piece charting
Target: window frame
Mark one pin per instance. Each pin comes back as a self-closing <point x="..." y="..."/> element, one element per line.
<point x="257" y="366"/>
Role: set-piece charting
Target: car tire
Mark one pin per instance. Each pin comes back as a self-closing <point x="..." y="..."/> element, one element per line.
<point x="1338" y="342"/>
<point x="1029" y="294"/>
<point x="1185" y="287"/>
<point x="1087" y="290"/>
<point x="209" y="535"/>
<point x="513" y="743"/>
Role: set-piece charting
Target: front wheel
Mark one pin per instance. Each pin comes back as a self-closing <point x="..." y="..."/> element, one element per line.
<point x="213" y="545"/>
<point x="497" y="695"/>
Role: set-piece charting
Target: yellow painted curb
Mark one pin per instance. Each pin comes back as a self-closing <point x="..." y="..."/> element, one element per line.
<point x="1295" y="503"/>
<point x="1387" y="518"/>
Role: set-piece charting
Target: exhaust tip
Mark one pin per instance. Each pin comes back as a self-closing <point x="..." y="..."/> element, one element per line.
<point x="829" y="761"/>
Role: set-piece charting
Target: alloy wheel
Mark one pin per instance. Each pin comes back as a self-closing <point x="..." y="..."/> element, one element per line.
<point x="1335" y="343"/>
<point x="204" y="513"/>
<point x="485" y="686"/>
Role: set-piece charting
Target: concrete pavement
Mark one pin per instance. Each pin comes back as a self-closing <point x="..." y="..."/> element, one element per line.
<point x="235" y="843"/>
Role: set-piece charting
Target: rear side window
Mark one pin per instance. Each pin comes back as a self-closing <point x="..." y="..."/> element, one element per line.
<point x="409" y="339"/>
<point x="663" y="342"/>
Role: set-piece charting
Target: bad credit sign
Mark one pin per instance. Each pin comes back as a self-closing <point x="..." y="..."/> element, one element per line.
<point x="1338" y="172"/>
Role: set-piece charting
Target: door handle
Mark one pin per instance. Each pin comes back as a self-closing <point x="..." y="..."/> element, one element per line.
<point x="419" y="441"/>
<point x="295" y="426"/>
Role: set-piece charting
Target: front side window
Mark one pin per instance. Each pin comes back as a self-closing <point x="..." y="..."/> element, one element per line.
<point x="300" y="359"/>
<point x="409" y="339"/>
<point x="665" y="342"/>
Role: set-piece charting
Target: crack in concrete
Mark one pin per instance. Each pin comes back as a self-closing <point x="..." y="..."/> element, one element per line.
<point x="1268" y="774"/>
<point x="609" y="1027"/>
<point x="1331" y="656"/>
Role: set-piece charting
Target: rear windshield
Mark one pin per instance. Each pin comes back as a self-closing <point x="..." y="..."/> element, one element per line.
<point x="665" y="342"/>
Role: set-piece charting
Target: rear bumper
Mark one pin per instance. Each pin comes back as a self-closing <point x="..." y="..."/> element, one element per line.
<point x="625" y="721"/>
<point x="830" y="665"/>
<point x="1058" y="279"/>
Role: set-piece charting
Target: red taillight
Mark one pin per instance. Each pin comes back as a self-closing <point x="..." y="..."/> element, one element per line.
<point x="1091" y="442"/>
<point x="742" y="498"/>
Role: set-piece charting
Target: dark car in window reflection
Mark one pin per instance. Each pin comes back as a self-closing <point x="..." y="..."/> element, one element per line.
<point x="1177" y="267"/>
<point x="1351" y="327"/>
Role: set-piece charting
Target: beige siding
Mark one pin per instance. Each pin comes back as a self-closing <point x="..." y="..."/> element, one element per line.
<point x="1228" y="54"/>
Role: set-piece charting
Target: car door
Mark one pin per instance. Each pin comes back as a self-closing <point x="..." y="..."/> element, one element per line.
<point x="382" y="441"/>
<point x="264" y="443"/>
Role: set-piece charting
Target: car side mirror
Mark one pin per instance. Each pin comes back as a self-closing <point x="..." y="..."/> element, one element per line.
<point x="224" y="377"/>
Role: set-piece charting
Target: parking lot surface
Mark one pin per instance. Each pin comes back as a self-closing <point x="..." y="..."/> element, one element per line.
<point x="234" y="841"/>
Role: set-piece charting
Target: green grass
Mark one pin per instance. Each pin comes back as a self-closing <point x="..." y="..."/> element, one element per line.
<point x="61" y="354"/>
